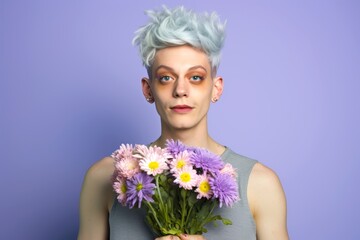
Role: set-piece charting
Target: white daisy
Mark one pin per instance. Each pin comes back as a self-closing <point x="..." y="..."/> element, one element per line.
<point x="203" y="187"/>
<point x="153" y="164"/>
<point x="180" y="161"/>
<point x="186" y="177"/>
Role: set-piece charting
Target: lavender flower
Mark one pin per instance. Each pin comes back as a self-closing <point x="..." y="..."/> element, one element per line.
<point x="139" y="187"/>
<point x="174" y="147"/>
<point x="225" y="189"/>
<point x="206" y="160"/>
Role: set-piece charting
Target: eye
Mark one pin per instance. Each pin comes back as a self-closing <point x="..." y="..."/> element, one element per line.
<point x="164" y="78"/>
<point x="196" y="78"/>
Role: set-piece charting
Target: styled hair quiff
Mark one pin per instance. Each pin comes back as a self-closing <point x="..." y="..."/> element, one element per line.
<point x="179" y="26"/>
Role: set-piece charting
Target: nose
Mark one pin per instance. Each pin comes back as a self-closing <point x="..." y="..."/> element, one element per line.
<point x="181" y="88"/>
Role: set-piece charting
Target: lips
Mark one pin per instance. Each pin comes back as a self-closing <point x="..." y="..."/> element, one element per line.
<point x="181" y="108"/>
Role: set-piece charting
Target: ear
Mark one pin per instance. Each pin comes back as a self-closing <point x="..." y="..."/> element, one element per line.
<point x="217" y="89"/>
<point x="146" y="89"/>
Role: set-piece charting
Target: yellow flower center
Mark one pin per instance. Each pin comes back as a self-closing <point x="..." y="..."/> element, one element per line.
<point x="123" y="188"/>
<point x="185" y="177"/>
<point x="180" y="163"/>
<point x="139" y="187"/>
<point x="153" y="165"/>
<point x="204" y="187"/>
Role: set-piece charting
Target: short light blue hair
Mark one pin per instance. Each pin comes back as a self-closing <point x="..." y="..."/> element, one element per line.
<point x="179" y="26"/>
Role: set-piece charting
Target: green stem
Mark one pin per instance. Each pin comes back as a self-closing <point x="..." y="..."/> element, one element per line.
<point x="154" y="213"/>
<point x="187" y="217"/>
<point x="183" y="208"/>
<point x="213" y="204"/>
<point x="158" y="189"/>
<point x="162" y="206"/>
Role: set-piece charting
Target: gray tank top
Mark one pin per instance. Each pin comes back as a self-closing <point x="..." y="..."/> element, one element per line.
<point x="128" y="224"/>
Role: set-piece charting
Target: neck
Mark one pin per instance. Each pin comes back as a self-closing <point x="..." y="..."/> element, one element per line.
<point x="195" y="137"/>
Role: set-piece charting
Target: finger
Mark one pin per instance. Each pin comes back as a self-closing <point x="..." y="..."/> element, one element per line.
<point x="191" y="237"/>
<point x="168" y="238"/>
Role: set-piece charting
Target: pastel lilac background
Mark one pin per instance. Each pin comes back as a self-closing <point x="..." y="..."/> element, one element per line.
<point x="70" y="94"/>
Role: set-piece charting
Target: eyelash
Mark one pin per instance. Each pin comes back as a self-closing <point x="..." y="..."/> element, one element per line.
<point x="161" y="78"/>
<point x="199" y="78"/>
<point x="194" y="78"/>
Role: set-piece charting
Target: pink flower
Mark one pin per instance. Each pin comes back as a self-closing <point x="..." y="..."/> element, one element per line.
<point x="124" y="151"/>
<point x="230" y="170"/>
<point x="127" y="167"/>
<point x="120" y="188"/>
<point x="181" y="160"/>
<point x="153" y="164"/>
<point x="153" y="160"/>
<point x="142" y="151"/>
<point x="186" y="177"/>
<point x="203" y="187"/>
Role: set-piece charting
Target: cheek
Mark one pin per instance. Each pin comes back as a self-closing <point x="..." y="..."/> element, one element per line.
<point x="205" y="91"/>
<point x="160" y="97"/>
<point x="160" y="91"/>
<point x="207" y="85"/>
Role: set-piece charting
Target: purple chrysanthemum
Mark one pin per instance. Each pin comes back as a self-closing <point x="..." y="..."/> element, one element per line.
<point x="174" y="147"/>
<point x="206" y="160"/>
<point x="225" y="189"/>
<point x="139" y="187"/>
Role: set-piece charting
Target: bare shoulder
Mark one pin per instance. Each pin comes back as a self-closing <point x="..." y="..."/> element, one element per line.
<point x="264" y="184"/>
<point x="95" y="200"/>
<point x="98" y="180"/>
<point x="101" y="171"/>
<point x="263" y="177"/>
<point x="267" y="203"/>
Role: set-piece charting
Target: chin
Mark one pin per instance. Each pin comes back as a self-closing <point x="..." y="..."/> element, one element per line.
<point x="183" y="123"/>
<point x="180" y="125"/>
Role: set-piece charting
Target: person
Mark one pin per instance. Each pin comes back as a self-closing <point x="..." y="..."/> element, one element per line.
<point x="181" y="52"/>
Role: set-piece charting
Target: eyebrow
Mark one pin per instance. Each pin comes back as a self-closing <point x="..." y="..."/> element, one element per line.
<point x="171" y="69"/>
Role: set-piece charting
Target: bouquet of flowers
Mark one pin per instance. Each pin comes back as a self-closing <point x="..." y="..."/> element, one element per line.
<point x="179" y="186"/>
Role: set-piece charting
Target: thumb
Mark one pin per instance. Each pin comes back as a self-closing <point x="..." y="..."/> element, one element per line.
<point x="191" y="237"/>
<point x="184" y="237"/>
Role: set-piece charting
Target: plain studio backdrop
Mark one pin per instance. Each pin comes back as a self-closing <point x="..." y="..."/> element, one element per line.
<point x="70" y="95"/>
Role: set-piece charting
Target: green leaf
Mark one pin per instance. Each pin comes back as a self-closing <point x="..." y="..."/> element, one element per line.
<point x="164" y="194"/>
<point x="204" y="211"/>
<point x="163" y="179"/>
<point x="172" y="231"/>
<point x="226" y="221"/>
<point x="192" y="199"/>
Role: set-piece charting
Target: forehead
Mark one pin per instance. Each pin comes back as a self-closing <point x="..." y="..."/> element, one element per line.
<point x="181" y="58"/>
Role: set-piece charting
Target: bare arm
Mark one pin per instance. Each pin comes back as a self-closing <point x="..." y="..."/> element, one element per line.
<point x="268" y="204"/>
<point x="94" y="201"/>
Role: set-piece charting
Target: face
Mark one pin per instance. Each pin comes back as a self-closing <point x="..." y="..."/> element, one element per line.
<point x="182" y="87"/>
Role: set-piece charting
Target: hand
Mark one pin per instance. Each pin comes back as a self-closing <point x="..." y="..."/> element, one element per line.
<point x="182" y="237"/>
<point x="191" y="237"/>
